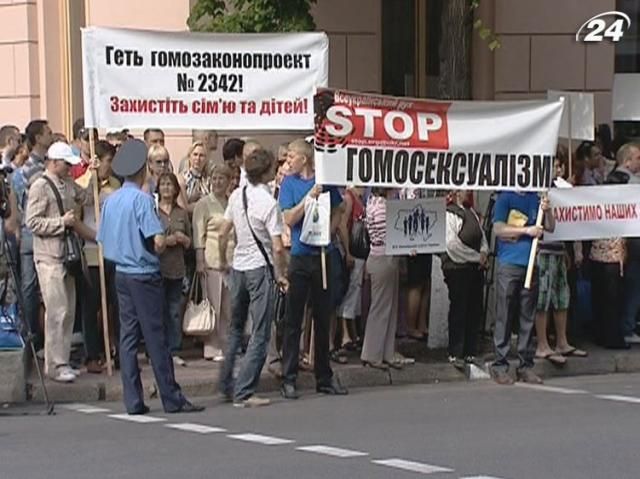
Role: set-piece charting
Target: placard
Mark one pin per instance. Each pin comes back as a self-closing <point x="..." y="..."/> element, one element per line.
<point x="416" y="225"/>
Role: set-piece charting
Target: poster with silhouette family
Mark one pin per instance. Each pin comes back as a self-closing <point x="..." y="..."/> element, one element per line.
<point x="415" y="225"/>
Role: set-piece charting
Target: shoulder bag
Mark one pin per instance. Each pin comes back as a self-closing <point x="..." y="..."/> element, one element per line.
<point x="73" y="256"/>
<point x="280" y="299"/>
<point x="199" y="318"/>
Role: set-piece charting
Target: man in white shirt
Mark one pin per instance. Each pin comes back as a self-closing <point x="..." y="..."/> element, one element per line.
<point x="257" y="270"/>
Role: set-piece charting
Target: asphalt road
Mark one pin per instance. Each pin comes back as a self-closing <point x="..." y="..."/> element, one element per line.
<point x="585" y="427"/>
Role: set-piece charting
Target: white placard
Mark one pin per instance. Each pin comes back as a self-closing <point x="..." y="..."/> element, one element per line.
<point x="626" y="97"/>
<point x="595" y="212"/>
<point x="416" y="225"/>
<point x="582" y="114"/>
<point x="374" y="140"/>
<point x="142" y="79"/>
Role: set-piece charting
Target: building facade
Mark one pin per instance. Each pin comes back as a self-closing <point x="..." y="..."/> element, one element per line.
<point x="387" y="46"/>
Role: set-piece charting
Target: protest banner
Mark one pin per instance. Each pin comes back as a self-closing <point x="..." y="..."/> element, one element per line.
<point x="141" y="79"/>
<point x="626" y="97"/>
<point x="415" y="225"/>
<point x="375" y="140"/>
<point x="595" y="212"/>
<point x="578" y="111"/>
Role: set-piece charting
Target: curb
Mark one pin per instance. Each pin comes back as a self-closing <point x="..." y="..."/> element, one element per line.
<point x="351" y="375"/>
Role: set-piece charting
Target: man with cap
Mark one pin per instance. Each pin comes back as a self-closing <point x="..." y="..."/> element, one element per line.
<point x="132" y="236"/>
<point x="51" y="228"/>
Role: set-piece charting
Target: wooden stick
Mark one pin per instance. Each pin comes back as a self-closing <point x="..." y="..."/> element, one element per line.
<point x="570" y="136"/>
<point x="103" y="283"/>
<point x="534" y="250"/>
<point x="323" y="260"/>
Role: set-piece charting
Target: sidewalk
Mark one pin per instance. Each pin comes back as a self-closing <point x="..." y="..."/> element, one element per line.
<point x="200" y="377"/>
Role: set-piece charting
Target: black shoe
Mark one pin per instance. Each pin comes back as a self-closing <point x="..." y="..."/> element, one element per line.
<point x="334" y="388"/>
<point x="289" y="391"/>
<point x="188" y="407"/>
<point x="140" y="412"/>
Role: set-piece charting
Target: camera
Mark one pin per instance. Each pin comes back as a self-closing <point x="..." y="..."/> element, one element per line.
<point x="5" y="189"/>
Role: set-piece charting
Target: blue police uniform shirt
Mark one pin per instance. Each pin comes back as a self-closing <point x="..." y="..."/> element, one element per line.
<point x="129" y="218"/>
<point x="292" y="190"/>
<point x="514" y="204"/>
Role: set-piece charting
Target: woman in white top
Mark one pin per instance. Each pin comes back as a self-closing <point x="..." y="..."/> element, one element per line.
<point x="462" y="265"/>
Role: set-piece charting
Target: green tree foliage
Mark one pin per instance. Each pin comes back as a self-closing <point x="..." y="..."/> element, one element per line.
<point x="251" y="16"/>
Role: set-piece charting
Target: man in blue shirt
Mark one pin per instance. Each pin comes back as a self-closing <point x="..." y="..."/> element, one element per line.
<point x="132" y="236"/>
<point x="305" y="274"/>
<point x="515" y="227"/>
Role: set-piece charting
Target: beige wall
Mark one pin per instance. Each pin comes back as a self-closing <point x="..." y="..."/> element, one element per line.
<point x="539" y="51"/>
<point x="19" y="80"/>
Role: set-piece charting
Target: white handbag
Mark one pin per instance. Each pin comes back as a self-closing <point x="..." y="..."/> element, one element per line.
<point x="199" y="318"/>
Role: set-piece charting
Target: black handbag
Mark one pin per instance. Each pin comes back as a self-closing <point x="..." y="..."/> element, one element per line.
<point x="73" y="256"/>
<point x="280" y="299"/>
<point x="359" y="242"/>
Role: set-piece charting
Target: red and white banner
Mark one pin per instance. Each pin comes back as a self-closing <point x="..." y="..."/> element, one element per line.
<point x="375" y="140"/>
<point x="595" y="212"/>
<point x="141" y="79"/>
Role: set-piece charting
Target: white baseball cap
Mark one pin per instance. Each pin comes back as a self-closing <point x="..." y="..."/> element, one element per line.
<point x="61" y="151"/>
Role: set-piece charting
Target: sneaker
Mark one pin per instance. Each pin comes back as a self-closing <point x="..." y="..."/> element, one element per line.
<point x="178" y="361"/>
<point x="76" y="372"/>
<point x="528" y="376"/>
<point x="456" y="362"/>
<point x="399" y="358"/>
<point x="632" y="339"/>
<point x="253" y="401"/>
<point x="502" y="378"/>
<point x="64" y="375"/>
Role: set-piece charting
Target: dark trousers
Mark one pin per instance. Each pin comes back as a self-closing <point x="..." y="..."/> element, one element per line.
<point x="512" y="297"/>
<point x="173" y="313"/>
<point x="31" y="296"/>
<point x="305" y="275"/>
<point x="141" y="300"/>
<point x="465" y="309"/>
<point x="607" y="290"/>
<point x="90" y="305"/>
<point x="251" y="292"/>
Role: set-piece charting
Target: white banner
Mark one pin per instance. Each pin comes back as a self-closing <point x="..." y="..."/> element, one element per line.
<point x="579" y="106"/>
<point x="141" y="79"/>
<point x="626" y="97"/>
<point x="416" y="225"/>
<point x="595" y="212"/>
<point x="375" y="140"/>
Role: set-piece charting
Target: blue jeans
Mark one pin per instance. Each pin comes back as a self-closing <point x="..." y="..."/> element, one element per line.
<point x="251" y="291"/>
<point x="31" y="295"/>
<point x="631" y="296"/>
<point x="172" y="317"/>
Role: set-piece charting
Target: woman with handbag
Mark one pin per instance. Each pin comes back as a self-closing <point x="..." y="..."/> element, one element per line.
<point x="172" y="264"/>
<point x="208" y="218"/>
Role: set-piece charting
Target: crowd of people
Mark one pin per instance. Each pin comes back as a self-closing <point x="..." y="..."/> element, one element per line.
<point x="232" y="227"/>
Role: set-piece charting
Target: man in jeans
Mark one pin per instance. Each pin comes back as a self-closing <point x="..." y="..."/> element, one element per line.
<point x="515" y="227"/>
<point x="252" y="211"/>
<point x="305" y="274"/>
<point x="39" y="137"/>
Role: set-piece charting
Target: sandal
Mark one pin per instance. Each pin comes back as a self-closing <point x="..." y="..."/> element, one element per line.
<point x="380" y="366"/>
<point x="575" y="352"/>
<point x="554" y="358"/>
<point x="337" y="357"/>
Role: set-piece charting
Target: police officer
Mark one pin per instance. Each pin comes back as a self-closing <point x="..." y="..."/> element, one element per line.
<point x="132" y="237"/>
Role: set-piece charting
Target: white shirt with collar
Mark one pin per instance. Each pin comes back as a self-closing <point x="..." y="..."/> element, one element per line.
<point x="266" y="221"/>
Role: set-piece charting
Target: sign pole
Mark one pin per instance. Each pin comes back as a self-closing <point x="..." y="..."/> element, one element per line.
<point x="103" y="284"/>
<point x="534" y="251"/>
<point x="570" y="135"/>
